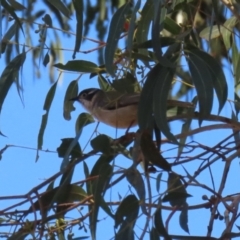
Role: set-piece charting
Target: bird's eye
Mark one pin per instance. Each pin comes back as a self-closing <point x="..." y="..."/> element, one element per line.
<point x="84" y="95"/>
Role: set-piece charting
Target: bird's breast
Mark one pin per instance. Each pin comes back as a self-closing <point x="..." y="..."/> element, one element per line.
<point x="123" y="117"/>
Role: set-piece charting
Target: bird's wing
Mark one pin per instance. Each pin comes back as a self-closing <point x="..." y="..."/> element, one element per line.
<point x="118" y="100"/>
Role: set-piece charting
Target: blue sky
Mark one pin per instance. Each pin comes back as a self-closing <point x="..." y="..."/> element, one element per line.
<point x="19" y="172"/>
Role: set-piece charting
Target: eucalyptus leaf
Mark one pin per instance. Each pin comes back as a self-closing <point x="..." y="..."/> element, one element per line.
<point x="78" y="5"/>
<point x="115" y="31"/>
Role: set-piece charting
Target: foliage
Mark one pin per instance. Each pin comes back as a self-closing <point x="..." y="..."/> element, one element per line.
<point x="167" y="168"/>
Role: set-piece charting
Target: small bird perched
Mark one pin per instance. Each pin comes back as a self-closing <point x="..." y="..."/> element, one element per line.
<point x="114" y="108"/>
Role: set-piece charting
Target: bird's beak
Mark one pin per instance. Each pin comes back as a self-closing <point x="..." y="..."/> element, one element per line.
<point x="73" y="99"/>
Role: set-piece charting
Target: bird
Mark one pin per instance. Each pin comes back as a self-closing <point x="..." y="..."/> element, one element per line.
<point x="116" y="109"/>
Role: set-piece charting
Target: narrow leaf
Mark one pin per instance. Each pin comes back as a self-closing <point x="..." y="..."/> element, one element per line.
<point x="115" y="31"/>
<point x="183" y="218"/>
<point x="98" y="191"/>
<point x="151" y="153"/>
<point x="158" y="222"/>
<point x="211" y="32"/>
<point x="9" y="75"/>
<point x="128" y="208"/>
<point x="83" y="120"/>
<point x="171" y="26"/>
<point x="78" y="66"/>
<point x="135" y="179"/>
<point x="145" y="104"/>
<point x="46" y="107"/>
<point x="71" y="92"/>
<point x="236" y="133"/>
<point x="126" y="216"/>
<point x="78" y="5"/>
<point x="160" y="96"/>
<point x="132" y="25"/>
<point x="46" y="59"/>
<point x="154" y="234"/>
<point x="144" y="25"/>
<point x="10" y="9"/>
<point x="227" y="31"/>
<point x="58" y="4"/>
<point x="8" y="35"/>
<point x="156" y="29"/>
<point x="202" y="79"/>
<point x="177" y="191"/>
<point x="218" y="77"/>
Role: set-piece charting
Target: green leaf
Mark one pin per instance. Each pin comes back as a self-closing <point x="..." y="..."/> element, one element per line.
<point x="146" y="99"/>
<point x="145" y="59"/>
<point x="46" y="107"/>
<point x="115" y="31"/>
<point x="129" y="207"/>
<point x="165" y="41"/>
<point x="19" y="235"/>
<point x="144" y="25"/>
<point x="211" y="32"/>
<point x="79" y="66"/>
<point x="132" y="25"/>
<point x="218" y="77"/>
<point x="42" y="40"/>
<point x="177" y="193"/>
<point x="235" y="62"/>
<point x="154" y="234"/>
<point x="236" y="103"/>
<point x="71" y="92"/>
<point x="75" y="152"/>
<point x="156" y="29"/>
<point x="9" y="75"/>
<point x="47" y="19"/>
<point x="135" y="179"/>
<point x="236" y="133"/>
<point x="68" y="194"/>
<point x="158" y="181"/>
<point x="88" y="183"/>
<point x="16" y="5"/>
<point x="83" y="120"/>
<point x="125" y="232"/>
<point x="10" y="9"/>
<point x="8" y="36"/>
<point x="202" y="80"/>
<point x="78" y="5"/>
<point x="171" y="26"/>
<point x="128" y="84"/>
<point x="46" y="60"/>
<point x="186" y="127"/>
<point x="151" y="153"/>
<point x="103" y="83"/>
<point x="102" y="143"/>
<point x="183" y="218"/>
<point x="160" y="96"/>
<point x="59" y="5"/>
<point x="99" y="187"/>
<point x="215" y="10"/>
<point x="227" y="31"/>
<point x="158" y="222"/>
<point x="106" y="208"/>
<point x="126" y="216"/>
<point x="157" y="25"/>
